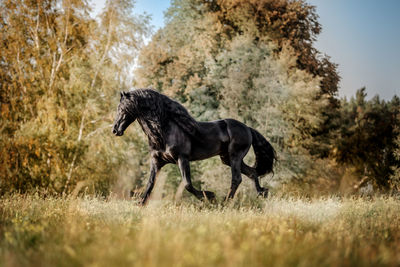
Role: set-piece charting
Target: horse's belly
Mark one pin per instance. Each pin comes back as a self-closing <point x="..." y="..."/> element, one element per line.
<point x="211" y="141"/>
<point x="205" y="150"/>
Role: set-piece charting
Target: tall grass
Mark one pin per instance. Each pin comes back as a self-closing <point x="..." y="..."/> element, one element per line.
<point x="274" y="232"/>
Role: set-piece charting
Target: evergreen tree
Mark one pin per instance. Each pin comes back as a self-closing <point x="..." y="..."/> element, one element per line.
<point x="367" y="136"/>
<point x="395" y="177"/>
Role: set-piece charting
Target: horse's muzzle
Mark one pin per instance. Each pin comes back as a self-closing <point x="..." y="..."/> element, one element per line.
<point x="117" y="133"/>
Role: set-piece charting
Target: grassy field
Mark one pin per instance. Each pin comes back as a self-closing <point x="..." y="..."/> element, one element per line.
<point x="273" y="232"/>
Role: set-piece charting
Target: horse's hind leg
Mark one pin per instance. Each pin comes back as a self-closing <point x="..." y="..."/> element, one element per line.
<point x="236" y="176"/>
<point x="236" y="151"/>
<point x="249" y="172"/>
<point x="184" y="167"/>
<point x="252" y="174"/>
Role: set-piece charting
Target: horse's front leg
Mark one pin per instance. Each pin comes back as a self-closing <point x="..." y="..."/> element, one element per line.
<point x="184" y="167"/>
<point x="155" y="167"/>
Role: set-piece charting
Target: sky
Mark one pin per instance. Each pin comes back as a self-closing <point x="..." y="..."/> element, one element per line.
<point x="361" y="36"/>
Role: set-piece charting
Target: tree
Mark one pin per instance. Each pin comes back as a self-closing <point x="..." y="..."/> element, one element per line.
<point x="60" y="70"/>
<point x="206" y="27"/>
<point x="367" y="137"/>
<point x="261" y="90"/>
<point x="177" y="60"/>
<point x="41" y="41"/>
<point x="251" y="60"/>
<point x="395" y="177"/>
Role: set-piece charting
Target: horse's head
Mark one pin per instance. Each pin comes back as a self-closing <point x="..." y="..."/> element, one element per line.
<point x="125" y="115"/>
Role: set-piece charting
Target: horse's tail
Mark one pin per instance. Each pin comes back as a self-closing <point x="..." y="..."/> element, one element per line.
<point x="265" y="153"/>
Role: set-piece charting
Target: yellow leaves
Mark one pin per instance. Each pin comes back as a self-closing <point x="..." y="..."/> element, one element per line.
<point x="5" y="110"/>
<point x="25" y="162"/>
<point x="31" y="143"/>
<point x="37" y="152"/>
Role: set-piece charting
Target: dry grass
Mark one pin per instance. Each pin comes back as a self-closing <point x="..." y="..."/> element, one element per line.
<point x="273" y="232"/>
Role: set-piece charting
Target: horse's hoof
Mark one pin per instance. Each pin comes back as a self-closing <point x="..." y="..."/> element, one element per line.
<point x="210" y="196"/>
<point x="264" y="193"/>
<point x="143" y="202"/>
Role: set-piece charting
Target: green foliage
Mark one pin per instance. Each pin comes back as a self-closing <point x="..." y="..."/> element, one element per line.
<point x="395" y="177"/>
<point x="252" y="60"/>
<point x="60" y="71"/>
<point x="367" y="135"/>
<point x="270" y="95"/>
<point x="197" y="31"/>
<point x="249" y="60"/>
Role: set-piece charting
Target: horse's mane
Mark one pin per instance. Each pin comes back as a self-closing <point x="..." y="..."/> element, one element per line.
<point x="154" y="111"/>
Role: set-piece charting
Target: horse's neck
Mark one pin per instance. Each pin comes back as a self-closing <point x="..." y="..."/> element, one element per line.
<point x="147" y="125"/>
<point x="153" y="131"/>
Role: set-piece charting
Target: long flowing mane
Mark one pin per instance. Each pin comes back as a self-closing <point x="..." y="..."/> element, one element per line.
<point x="154" y="112"/>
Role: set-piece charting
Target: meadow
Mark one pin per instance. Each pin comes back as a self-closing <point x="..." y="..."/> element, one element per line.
<point x="279" y="231"/>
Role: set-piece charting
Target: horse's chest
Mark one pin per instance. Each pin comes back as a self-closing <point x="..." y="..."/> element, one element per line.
<point x="169" y="155"/>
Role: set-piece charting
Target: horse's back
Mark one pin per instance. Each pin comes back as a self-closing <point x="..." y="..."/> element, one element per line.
<point x="225" y="130"/>
<point x="213" y="130"/>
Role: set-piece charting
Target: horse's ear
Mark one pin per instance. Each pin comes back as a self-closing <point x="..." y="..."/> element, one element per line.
<point x="123" y="94"/>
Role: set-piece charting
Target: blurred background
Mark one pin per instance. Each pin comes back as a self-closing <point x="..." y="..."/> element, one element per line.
<point x="319" y="79"/>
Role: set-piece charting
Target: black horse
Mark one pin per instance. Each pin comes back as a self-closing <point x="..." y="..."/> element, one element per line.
<point x="175" y="137"/>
